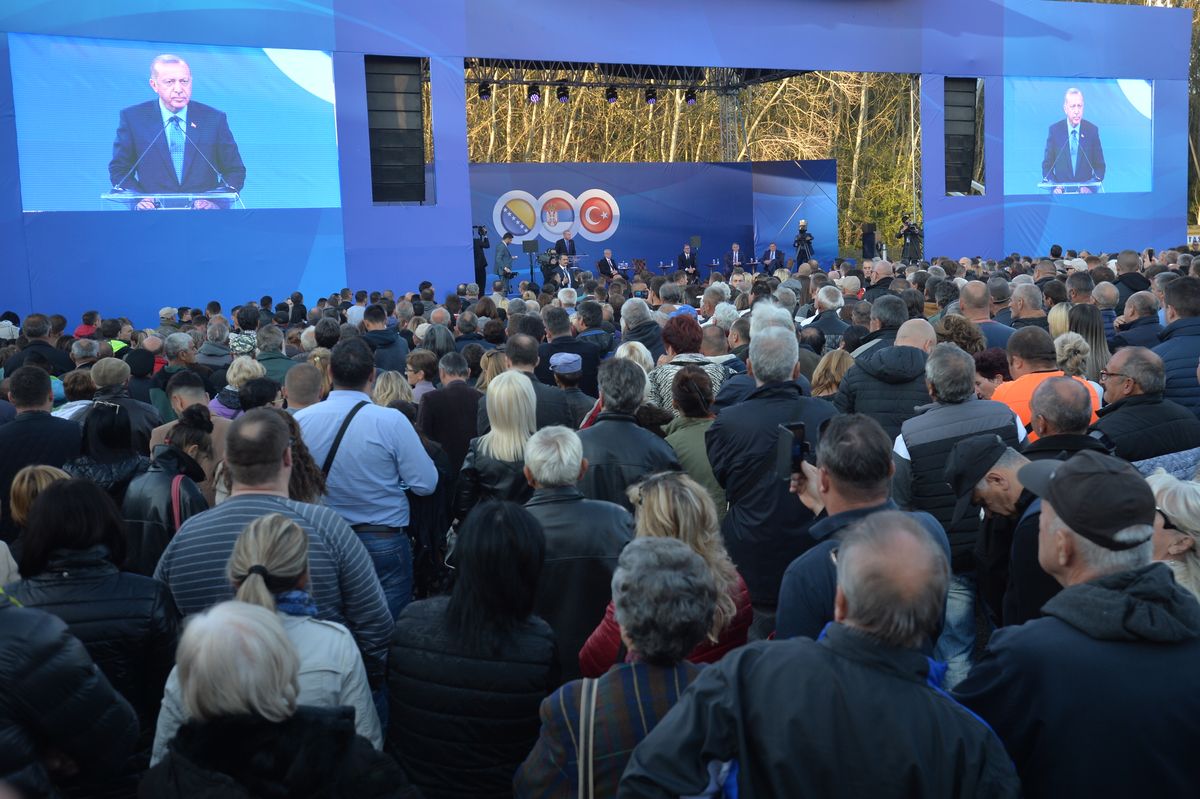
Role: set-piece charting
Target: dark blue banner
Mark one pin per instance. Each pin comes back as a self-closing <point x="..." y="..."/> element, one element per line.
<point x="649" y="211"/>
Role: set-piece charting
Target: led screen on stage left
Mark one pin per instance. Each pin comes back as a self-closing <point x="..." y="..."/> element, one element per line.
<point x="255" y="127"/>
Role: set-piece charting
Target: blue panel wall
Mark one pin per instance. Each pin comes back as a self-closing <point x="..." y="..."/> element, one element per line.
<point x="81" y="260"/>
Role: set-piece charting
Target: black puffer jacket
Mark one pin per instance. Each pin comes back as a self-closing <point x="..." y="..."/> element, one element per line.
<point x="619" y="453"/>
<point x="113" y="476"/>
<point x="1147" y="426"/>
<point x="1127" y="285"/>
<point x="128" y="623"/>
<point x="483" y="477"/>
<point x="886" y="384"/>
<point x="149" y="511"/>
<point x="461" y="722"/>
<point x="53" y="696"/>
<point x="314" y="754"/>
<point x="649" y="334"/>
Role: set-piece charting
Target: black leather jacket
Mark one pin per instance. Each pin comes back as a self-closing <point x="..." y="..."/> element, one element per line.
<point x="113" y="476"/>
<point x="143" y="417"/>
<point x="619" y="453"/>
<point x="149" y="513"/>
<point x="483" y="477"/>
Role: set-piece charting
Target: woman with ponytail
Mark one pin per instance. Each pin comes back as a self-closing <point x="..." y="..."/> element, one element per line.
<point x="168" y="493"/>
<point x="692" y="399"/>
<point x="269" y="568"/>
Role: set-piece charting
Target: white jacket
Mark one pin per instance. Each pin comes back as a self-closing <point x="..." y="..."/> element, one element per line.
<point x="331" y="674"/>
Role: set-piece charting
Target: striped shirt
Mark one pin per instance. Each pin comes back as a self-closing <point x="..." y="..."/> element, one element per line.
<point x="342" y="579"/>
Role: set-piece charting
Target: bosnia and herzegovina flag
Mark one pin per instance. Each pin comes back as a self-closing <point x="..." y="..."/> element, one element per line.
<point x="518" y="217"/>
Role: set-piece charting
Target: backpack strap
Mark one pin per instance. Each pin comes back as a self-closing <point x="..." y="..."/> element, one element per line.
<point x="337" y="440"/>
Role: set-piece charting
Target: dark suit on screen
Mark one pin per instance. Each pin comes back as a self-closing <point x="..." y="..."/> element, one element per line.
<point x="565" y="247"/>
<point x="1056" y="161"/>
<point x="207" y="132"/>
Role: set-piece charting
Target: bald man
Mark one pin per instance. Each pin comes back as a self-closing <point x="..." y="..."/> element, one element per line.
<point x="975" y="303"/>
<point x="888" y="384"/>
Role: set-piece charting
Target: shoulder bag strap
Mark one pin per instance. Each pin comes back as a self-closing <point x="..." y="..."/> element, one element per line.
<point x="586" y="786"/>
<point x="177" y="500"/>
<point x="337" y="440"/>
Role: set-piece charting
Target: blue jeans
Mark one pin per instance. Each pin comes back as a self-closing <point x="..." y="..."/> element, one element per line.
<point x="391" y="553"/>
<point x="956" y="644"/>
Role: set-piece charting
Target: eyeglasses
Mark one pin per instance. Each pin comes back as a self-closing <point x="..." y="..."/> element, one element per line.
<point x="1105" y="374"/>
<point x="1167" y="523"/>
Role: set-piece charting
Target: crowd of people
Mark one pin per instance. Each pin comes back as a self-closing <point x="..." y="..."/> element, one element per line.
<point x="912" y="530"/>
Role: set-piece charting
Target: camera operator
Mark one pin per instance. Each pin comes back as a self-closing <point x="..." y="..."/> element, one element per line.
<point x="912" y="240"/>
<point x="803" y="244"/>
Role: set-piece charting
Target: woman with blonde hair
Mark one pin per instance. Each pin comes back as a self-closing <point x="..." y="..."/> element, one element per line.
<point x="1058" y="319"/>
<point x="829" y="373"/>
<point x="228" y="404"/>
<point x="26" y="486"/>
<point x="1088" y="323"/>
<point x="319" y="358"/>
<point x="390" y="387"/>
<point x="491" y="366"/>
<point x="269" y="568"/>
<point x="495" y="462"/>
<point x="636" y="351"/>
<point x="1177" y="527"/>
<point x="1073" y="355"/>
<point x="673" y="505"/>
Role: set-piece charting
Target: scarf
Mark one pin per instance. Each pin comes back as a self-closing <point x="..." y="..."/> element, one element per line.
<point x="296" y="603"/>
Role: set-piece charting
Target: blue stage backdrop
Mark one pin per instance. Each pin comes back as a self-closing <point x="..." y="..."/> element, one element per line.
<point x="650" y="211"/>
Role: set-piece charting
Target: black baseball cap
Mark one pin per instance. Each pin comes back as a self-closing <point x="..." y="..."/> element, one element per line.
<point x="1095" y="495"/>
<point x="969" y="461"/>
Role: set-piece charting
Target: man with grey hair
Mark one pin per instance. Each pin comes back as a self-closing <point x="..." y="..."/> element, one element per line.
<point x="111" y="376"/>
<point x="920" y="483"/>
<point x="214" y="352"/>
<point x="1028" y="307"/>
<point x="766" y="526"/>
<point x="1000" y="294"/>
<point x="177" y="121"/>
<point x="583" y="539"/>
<point x="180" y="351"/>
<point x="620" y="451"/>
<point x="1105" y="297"/>
<point x="765" y="315"/>
<point x="1139" y="326"/>
<point x="1060" y="411"/>
<point x="724" y="316"/>
<point x="882" y="275"/>
<point x="449" y="413"/>
<point x="1060" y="691"/>
<point x="638" y="324"/>
<point x="85" y="352"/>
<point x="888" y="312"/>
<point x="270" y="353"/>
<point x="441" y="316"/>
<point x="1137" y="419"/>
<point x="865" y="689"/>
<point x="827" y="303"/>
<point x="567" y="298"/>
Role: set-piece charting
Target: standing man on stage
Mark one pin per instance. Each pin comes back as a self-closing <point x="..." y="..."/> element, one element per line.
<point x="686" y="262"/>
<point x="772" y="259"/>
<point x="502" y="261"/>
<point x="607" y="266"/>
<point x="1073" y="151"/>
<point x="803" y="244"/>
<point x="193" y="148"/>
<point x="566" y="245"/>
<point x="733" y="258"/>
<point x="912" y="240"/>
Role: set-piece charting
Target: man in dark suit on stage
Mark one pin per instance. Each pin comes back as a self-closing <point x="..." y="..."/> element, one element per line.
<point x="566" y="245"/>
<point x="772" y="259"/>
<point x="734" y="258"/>
<point x="607" y="266"/>
<point x="1073" y="150"/>
<point x="686" y="262"/>
<point x="173" y="145"/>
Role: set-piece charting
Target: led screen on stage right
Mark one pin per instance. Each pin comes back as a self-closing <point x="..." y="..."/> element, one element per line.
<point x="1078" y="136"/>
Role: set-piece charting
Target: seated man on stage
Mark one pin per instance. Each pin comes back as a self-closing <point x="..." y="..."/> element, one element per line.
<point x="686" y="263"/>
<point x="1073" y="151"/>
<point x="773" y="259"/>
<point x="607" y="266"/>
<point x="733" y="258"/>
<point x="172" y="145"/>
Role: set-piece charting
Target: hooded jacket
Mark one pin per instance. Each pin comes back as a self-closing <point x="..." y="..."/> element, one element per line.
<point x="1128" y="284"/>
<point x="886" y="384"/>
<point x="1179" y="351"/>
<point x="1087" y="699"/>
<point x="213" y="355"/>
<point x="391" y="351"/>
<point x="650" y="334"/>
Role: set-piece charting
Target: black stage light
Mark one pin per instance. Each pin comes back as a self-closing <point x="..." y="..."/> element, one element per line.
<point x="562" y="94"/>
<point x="690" y="96"/>
<point x="485" y="91"/>
<point x="610" y="94"/>
<point x="651" y="96"/>
<point x="534" y="94"/>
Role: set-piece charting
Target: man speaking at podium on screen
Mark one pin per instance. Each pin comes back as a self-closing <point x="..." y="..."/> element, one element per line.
<point x="1073" y="150"/>
<point x="172" y="145"/>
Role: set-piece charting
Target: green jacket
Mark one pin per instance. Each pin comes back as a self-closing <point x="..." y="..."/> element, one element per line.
<point x="686" y="437"/>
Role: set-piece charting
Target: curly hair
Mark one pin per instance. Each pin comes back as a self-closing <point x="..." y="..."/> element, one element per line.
<point x="961" y="331"/>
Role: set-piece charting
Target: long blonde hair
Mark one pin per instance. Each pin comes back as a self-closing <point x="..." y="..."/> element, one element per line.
<point x="1058" y="319"/>
<point x="830" y="371"/>
<point x="273" y="544"/>
<point x="491" y="366"/>
<point x="391" y="386"/>
<point x="512" y="413"/>
<point x="673" y="505"/>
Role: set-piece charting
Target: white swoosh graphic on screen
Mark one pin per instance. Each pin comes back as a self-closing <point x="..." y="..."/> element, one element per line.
<point x="311" y="70"/>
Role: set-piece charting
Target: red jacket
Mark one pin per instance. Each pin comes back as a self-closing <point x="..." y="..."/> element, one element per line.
<point x="603" y="646"/>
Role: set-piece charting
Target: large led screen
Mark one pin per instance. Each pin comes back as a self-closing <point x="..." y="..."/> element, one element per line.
<point x="127" y="126"/>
